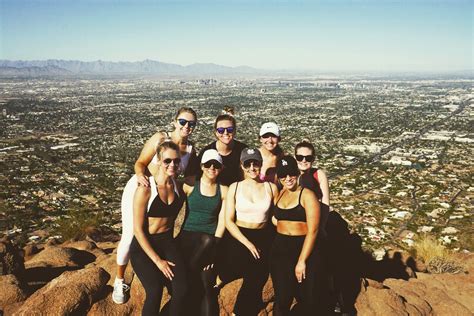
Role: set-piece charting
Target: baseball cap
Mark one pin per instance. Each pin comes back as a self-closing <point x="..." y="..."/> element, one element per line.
<point x="269" y="127"/>
<point x="250" y="154"/>
<point x="211" y="154"/>
<point x="287" y="166"/>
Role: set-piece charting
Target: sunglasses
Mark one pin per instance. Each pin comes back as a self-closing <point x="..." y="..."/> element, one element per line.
<point x="176" y="161"/>
<point x="284" y="175"/>
<point x="183" y="122"/>
<point x="215" y="163"/>
<point x="229" y="130"/>
<point x="308" y="158"/>
<point x="248" y="163"/>
<point x="268" y="135"/>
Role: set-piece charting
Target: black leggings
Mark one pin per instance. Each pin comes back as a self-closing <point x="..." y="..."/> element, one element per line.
<point x="284" y="256"/>
<point x="198" y="250"/>
<point x="153" y="279"/>
<point x="236" y="261"/>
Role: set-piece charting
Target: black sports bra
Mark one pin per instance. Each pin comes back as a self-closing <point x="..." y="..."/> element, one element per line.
<point x="158" y="208"/>
<point x="294" y="214"/>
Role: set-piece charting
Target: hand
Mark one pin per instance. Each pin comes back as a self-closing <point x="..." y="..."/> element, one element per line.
<point x="300" y="271"/>
<point x="143" y="180"/>
<point x="253" y="250"/>
<point x="164" y="267"/>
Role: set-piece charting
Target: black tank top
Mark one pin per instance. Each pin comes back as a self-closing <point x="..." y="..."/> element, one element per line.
<point x="307" y="180"/>
<point x="158" y="208"/>
<point x="294" y="214"/>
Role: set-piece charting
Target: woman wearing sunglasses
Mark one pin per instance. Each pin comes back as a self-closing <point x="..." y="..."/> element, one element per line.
<point x="247" y="216"/>
<point x="270" y="149"/>
<point x="312" y="178"/>
<point x="202" y="228"/>
<point x="184" y="124"/>
<point x="153" y="253"/>
<point x="227" y="146"/>
<point x="294" y="258"/>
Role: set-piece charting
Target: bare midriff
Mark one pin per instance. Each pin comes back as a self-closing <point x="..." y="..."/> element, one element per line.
<point x="250" y="225"/>
<point x="159" y="225"/>
<point x="292" y="228"/>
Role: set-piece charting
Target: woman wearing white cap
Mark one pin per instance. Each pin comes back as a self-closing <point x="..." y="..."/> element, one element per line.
<point x="271" y="151"/>
<point x="202" y="228"/>
<point x="146" y="164"/>
<point x="247" y="216"/>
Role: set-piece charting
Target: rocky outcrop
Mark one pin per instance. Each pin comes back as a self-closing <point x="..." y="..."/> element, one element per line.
<point x="81" y="274"/>
<point x="13" y="290"/>
<point x="73" y="292"/>
<point x="11" y="259"/>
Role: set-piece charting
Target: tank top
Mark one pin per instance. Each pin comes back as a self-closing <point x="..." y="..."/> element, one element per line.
<point x="310" y="181"/>
<point x="252" y="212"/>
<point x="202" y="211"/>
<point x="158" y="208"/>
<point x="294" y="214"/>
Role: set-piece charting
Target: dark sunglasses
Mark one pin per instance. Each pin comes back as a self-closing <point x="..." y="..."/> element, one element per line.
<point x="255" y="163"/>
<point x="308" y="158"/>
<point x="176" y="161"/>
<point x="268" y="135"/>
<point x="229" y="130"/>
<point x="183" y="122"/>
<point x="215" y="163"/>
<point x="284" y="175"/>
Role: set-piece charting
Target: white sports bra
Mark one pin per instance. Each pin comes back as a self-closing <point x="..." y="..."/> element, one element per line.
<point x="253" y="212"/>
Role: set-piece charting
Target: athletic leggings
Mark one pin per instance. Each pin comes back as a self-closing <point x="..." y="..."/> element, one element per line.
<point x="123" y="249"/>
<point x="153" y="279"/>
<point x="236" y="261"/>
<point x="284" y="256"/>
<point x="198" y="250"/>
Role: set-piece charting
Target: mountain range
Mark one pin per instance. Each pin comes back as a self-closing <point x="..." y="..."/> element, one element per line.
<point x="57" y="67"/>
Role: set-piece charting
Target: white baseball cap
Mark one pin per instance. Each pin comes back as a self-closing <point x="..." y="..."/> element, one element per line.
<point x="211" y="154"/>
<point x="269" y="127"/>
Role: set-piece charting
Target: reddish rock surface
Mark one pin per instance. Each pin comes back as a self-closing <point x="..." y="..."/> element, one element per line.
<point x="11" y="290"/>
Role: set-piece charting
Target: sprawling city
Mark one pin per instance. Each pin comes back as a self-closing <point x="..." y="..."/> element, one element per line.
<point x="398" y="152"/>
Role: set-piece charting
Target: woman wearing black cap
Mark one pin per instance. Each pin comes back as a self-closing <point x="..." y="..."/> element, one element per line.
<point x="247" y="214"/>
<point x="293" y="255"/>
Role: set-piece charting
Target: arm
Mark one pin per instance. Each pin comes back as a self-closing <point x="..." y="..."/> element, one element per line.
<point x="276" y="193"/>
<point x="146" y="156"/>
<point x="311" y="206"/>
<point x="230" y="222"/>
<point x="140" y="201"/>
<point x="221" y="220"/>
<point x="324" y="185"/>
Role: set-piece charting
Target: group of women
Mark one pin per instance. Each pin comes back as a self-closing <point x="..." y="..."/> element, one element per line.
<point x="233" y="195"/>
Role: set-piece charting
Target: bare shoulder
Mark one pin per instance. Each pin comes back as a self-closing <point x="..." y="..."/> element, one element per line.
<point x="322" y="174"/>
<point x="224" y="190"/>
<point x="308" y="195"/>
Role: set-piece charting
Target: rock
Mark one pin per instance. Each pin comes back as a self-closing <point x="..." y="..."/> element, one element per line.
<point x="412" y="294"/>
<point x="407" y="259"/>
<point x="12" y="290"/>
<point x="109" y="264"/>
<point x="55" y="256"/>
<point x="373" y="301"/>
<point x="11" y="259"/>
<point x="73" y="292"/>
<point x="84" y="245"/>
<point x="29" y="251"/>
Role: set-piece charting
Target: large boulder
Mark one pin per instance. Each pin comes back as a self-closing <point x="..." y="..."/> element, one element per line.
<point x="12" y="290"/>
<point x="55" y="257"/>
<point x="73" y="292"/>
<point x="376" y="301"/>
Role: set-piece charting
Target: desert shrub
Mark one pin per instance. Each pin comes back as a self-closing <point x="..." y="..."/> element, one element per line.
<point x="77" y="223"/>
<point x="426" y="248"/>
<point x="444" y="265"/>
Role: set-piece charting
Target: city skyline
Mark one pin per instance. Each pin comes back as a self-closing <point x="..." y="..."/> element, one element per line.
<point x="388" y="36"/>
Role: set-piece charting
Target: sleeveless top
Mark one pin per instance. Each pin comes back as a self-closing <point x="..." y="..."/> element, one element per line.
<point x="158" y="208"/>
<point x="253" y="212"/>
<point x="202" y="211"/>
<point x="309" y="180"/>
<point x="294" y="214"/>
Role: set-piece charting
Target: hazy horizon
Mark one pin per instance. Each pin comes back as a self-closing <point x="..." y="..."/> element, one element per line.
<point x="337" y="36"/>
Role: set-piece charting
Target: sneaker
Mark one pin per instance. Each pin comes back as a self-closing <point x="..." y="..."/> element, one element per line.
<point x="119" y="295"/>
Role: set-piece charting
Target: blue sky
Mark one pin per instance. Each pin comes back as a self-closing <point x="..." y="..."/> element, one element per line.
<point x="333" y="35"/>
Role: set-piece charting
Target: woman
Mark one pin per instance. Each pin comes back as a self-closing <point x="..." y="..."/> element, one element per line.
<point x="294" y="258"/>
<point x="312" y="178"/>
<point x="270" y="149"/>
<point x="247" y="214"/>
<point x="184" y="124"/>
<point x="203" y="227"/>
<point x="153" y="252"/>
<point x="227" y="146"/>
